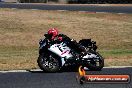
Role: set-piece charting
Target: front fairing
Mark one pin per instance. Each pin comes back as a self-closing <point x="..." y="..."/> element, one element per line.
<point x="42" y="43"/>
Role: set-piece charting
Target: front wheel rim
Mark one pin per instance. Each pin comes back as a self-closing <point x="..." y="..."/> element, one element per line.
<point x="51" y="63"/>
<point x="97" y="62"/>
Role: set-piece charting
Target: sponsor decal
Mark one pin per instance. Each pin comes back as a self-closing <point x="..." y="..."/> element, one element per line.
<point x="83" y="78"/>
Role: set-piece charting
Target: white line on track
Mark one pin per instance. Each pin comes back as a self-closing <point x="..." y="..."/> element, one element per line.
<point x="34" y="9"/>
<point x="12" y="71"/>
<point x="78" y="11"/>
<point x="118" y="67"/>
<point x="121" y="13"/>
<point x="62" y="10"/>
<point x="13" y="8"/>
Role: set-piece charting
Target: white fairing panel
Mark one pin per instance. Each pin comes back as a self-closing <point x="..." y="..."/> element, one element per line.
<point x="61" y="50"/>
<point x="90" y="56"/>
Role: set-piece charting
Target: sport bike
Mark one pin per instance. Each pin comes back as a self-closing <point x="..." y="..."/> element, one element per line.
<point x="56" y="55"/>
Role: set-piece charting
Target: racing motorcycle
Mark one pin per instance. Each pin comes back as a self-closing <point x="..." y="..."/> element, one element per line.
<point x="54" y="56"/>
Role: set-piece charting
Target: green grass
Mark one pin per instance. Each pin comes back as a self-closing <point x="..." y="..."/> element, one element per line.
<point x="117" y="57"/>
<point x="107" y="53"/>
<point x="20" y="31"/>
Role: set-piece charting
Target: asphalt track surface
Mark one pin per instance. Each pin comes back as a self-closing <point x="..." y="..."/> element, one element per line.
<point x="88" y="8"/>
<point x="38" y="79"/>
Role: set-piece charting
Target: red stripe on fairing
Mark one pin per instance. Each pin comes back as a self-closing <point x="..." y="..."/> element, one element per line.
<point x="64" y="52"/>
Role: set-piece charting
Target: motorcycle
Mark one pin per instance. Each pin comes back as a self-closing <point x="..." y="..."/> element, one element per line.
<point x="54" y="56"/>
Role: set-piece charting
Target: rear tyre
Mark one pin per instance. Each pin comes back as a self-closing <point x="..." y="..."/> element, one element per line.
<point x="49" y="63"/>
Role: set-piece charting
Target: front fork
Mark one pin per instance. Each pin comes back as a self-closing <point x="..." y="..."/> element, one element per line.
<point x="63" y="62"/>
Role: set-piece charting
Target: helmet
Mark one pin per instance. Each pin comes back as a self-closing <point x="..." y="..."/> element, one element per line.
<point x="52" y="32"/>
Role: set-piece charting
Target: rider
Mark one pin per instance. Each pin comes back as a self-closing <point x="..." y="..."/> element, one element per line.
<point x="53" y="35"/>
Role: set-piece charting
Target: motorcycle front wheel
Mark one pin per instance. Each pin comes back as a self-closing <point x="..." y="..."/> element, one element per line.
<point x="48" y="63"/>
<point x="96" y="64"/>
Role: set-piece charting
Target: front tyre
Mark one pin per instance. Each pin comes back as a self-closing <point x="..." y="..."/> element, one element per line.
<point x="96" y="64"/>
<point x="48" y="63"/>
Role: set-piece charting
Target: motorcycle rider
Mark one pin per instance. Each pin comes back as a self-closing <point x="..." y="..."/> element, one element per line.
<point x="53" y="35"/>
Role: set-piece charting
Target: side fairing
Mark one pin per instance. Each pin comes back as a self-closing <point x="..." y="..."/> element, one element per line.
<point x="61" y="50"/>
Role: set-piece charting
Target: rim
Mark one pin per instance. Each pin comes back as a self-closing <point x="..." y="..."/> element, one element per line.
<point x="96" y="61"/>
<point x="50" y="63"/>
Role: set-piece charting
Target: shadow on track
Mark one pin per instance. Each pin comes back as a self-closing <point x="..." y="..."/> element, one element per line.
<point x="61" y="71"/>
<point x="50" y="72"/>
